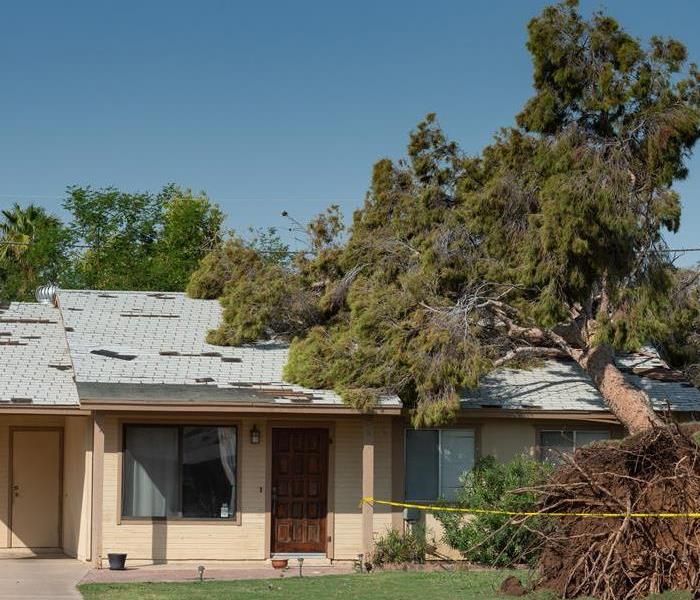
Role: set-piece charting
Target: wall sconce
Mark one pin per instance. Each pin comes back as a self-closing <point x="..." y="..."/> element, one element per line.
<point x="255" y="435"/>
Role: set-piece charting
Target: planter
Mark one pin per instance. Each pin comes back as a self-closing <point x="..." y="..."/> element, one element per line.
<point x="116" y="562"/>
<point x="280" y="563"/>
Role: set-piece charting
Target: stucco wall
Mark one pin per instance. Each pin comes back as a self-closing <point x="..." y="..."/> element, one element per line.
<point x="146" y="541"/>
<point x="76" y="489"/>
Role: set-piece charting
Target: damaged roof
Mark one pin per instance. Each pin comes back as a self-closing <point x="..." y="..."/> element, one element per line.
<point x="562" y="385"/>
<point x="119" y="340"/>
<point x="150" y="347"/>
<point x="35" y="364"/>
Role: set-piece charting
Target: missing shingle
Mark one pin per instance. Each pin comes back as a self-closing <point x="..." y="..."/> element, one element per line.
<point x="27" y="321"/>
<point x="60" y="367"/>
<point x="5" y="333"/>
<point x="176" y="353"/>
<point x="30" y="337"/>
<point x="12" y="343"/>
<point x="20" y="400"/>
<point x="161" y="296"/>
<point x="230" y="359"/>
<point x="69" y="329"/>
<point x="150" y="315"/>
<point x="106" y="296"/>
<point x="111" y="354"/>
<point x="74" y="309"/>
<point x="204" y="379"/>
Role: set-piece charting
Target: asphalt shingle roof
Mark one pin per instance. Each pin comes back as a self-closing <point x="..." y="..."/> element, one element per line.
<point x="159" y="338"/>
<point x="35" y="366"/>
<point x="152" y="346"/>
<point x="564" y="386"/>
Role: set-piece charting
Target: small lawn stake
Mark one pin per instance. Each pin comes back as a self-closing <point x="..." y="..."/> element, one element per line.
<point x="301" y="564"/>
<point x="200" y="571"/>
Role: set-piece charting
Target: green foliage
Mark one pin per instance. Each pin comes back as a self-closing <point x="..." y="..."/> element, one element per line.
<point x="35" y="248"/>
<point x="681" y="337"/>
<point x="400" y="547"/>
<point x="190" y="229"/>
<point x="556" y="224"/>
<point x="142" y="241"/>
<point x="492" y="539"/>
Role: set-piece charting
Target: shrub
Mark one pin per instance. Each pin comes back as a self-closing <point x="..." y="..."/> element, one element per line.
<point x="494" y="539"/>
<point x="400" y="548"/>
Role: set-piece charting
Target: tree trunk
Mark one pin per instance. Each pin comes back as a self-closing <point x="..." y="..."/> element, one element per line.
<point x="629" y="404"/>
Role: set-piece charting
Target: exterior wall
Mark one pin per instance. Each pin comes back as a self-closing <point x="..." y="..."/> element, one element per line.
<point x="348" y="483"/>
<point x="161" y="541"/>
<point x="76" y="486"/>
<point x="505" y="439"/>
<point x="165" y="541"/>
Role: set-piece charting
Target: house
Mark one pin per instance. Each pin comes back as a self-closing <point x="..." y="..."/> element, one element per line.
<point x="122" y="430"/>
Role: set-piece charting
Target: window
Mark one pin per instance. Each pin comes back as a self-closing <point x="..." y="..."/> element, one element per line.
<point x="179" y="472"/>
<point x="436" y="459"/>
<point x="555" y="443"/>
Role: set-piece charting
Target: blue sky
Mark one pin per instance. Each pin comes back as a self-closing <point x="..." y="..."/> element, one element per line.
<point x="268" y="106"/>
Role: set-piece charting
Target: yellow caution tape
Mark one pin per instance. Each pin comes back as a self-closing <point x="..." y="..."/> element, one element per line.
<point x="510" y="513"/>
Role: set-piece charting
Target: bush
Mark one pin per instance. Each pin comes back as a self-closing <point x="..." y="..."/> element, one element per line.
<point x="493" y="539"/>
<point x="400" y="548"/>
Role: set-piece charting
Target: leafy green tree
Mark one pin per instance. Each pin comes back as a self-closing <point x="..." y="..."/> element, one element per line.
<point x="142" y="240"/>
<point x="493" y="539"/>
<point x="547" y="244"/>
<point x="682" y="338"/>
<point x="120" y="230"/>
<point x="35" y="248"/>
<point x="191" y="228"/>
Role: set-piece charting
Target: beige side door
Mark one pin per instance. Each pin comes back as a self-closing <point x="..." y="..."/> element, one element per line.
<point x="36" y="488"/>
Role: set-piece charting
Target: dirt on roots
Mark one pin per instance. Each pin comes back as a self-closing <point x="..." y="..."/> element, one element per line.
<point x="657" y="471"/>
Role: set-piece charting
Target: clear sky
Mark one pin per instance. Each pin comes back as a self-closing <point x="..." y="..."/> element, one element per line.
<point x="267" y="106"/>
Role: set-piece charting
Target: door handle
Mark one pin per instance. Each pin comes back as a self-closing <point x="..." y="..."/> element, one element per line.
<point x="15" y="489"/>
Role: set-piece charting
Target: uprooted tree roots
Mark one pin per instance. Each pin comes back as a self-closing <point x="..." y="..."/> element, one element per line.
<point x="656" y="471"/>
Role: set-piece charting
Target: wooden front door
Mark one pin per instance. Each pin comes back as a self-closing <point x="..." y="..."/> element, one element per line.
<point x="299" y="490"/>
<point x="36" y="488"/>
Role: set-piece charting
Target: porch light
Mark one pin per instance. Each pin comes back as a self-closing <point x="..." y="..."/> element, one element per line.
<point x="255" y="435"/>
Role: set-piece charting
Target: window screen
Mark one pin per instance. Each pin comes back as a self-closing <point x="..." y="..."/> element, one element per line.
<point x="422" y="454"/>
<point x="553" y="444"/>
<point x="436" y="459"/>
<point x="456" y="457"/>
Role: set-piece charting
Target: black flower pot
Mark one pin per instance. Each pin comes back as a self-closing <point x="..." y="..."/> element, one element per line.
<point x="116" y="562"/>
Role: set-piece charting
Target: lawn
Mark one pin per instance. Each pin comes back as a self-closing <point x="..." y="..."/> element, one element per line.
<point x="396" y="585"/>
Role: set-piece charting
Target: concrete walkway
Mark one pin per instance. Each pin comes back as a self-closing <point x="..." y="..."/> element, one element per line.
<point x="40" y="578"/>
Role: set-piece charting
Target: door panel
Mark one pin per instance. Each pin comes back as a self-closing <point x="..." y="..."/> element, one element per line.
<point x="36" y="488"/>
<point x="299" y="490"/>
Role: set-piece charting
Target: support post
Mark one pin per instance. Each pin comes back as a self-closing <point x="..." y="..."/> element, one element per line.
<point x="98" y="454"/>
<point x="368" y="485"/>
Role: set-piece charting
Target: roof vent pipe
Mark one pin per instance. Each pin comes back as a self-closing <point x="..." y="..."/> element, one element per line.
<point x="46" y="294"/>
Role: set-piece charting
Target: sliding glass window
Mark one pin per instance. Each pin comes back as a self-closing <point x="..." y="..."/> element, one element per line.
<point x="179" y="471"/>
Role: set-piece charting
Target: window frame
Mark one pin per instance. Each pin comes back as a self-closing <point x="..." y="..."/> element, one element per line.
<point x="475" y="430"/>
<point x="567" y="430"/>
<point x="124" y="423"/>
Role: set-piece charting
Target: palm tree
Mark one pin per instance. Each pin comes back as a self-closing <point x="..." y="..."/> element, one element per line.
<point x="18" y="231"/>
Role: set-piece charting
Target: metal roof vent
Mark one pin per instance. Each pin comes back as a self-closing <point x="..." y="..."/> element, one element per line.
<point x="46" y="294"/>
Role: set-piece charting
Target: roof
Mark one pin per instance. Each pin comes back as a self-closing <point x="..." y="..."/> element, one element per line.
<point x="119" y="340"/>
<point x="561" y="385"/>
<point x="150" y="347"/>
<point x="36" y="366"/>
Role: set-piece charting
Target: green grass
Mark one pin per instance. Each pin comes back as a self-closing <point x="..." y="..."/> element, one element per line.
<point x="398" y="585"/>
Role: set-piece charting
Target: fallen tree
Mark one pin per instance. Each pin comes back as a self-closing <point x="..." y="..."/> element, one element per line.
<point x="548" y="244"/>
<point x="653" y="472"/>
